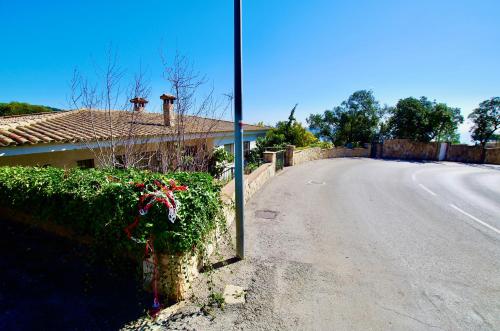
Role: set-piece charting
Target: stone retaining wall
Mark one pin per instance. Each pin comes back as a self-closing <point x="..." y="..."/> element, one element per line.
<point x="464" y="153"/>
<point x="492" y="156"/>
<point x="181" y="269"/>
<point x="253" y="181"/>
<point x="410" y="150"/>
<point x="317" y="153"/>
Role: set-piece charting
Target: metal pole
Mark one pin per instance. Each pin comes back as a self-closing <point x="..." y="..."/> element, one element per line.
<point x="238" y="132"/>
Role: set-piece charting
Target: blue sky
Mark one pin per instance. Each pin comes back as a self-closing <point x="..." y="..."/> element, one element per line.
<point x="315" y="53"/>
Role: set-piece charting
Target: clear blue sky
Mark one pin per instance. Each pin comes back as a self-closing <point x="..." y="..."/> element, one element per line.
<point x="312" y="52"/>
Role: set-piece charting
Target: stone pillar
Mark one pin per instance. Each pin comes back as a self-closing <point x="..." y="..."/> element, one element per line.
<point x="270" y="157"/>
<point x="289" y="155"/>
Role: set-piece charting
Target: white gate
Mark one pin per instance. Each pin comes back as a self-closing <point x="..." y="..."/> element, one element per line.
<point x="442" y="151"/>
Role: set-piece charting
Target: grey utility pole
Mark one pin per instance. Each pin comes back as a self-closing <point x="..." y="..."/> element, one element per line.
<point x="238" y="133"/>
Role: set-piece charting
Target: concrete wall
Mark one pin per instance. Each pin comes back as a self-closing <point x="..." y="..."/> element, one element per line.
<point x="66" y="159"/>
<point x="410" y="150"/>
<point x="69" y="158"/>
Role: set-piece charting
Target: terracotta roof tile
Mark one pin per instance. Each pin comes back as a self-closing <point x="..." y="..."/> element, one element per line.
<point x="87" y="125"/>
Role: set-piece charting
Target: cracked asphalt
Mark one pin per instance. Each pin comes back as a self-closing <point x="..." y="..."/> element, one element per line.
<point x="362" y="244"/>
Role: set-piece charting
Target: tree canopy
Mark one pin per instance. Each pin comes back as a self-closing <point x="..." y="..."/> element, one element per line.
<point x="22" y="108"/>
<point x="486" y="120"/>
<point x="423" y="120"/>
<point x="354" y="122"/>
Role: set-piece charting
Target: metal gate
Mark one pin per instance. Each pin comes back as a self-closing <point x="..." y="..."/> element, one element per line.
<point x="280" y="160"/>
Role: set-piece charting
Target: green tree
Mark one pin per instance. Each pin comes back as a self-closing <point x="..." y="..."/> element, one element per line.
<point x="486" y="120"/>
<point x="424" y="120"/>
<point x="443" y="123"/>
<point x="21" y="108"/>
<point x="355" y="121"/>
<point x="408" y="120"/>
<point x="289" y="132"/>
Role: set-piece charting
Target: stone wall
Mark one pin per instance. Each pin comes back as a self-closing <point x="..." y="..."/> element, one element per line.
<point x="348" y="152"/>
<point x="492" y="156"/>
<point x="410" y="150"/>
<point x="317" y="153"/>
<point x="253" y="181"/>
<point x="181" y="269"/>
<point x="464" y="153"/>
<point x="308" y="154"/>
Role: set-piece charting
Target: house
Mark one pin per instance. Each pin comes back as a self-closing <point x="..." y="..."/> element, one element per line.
<point x="79" y="137"/>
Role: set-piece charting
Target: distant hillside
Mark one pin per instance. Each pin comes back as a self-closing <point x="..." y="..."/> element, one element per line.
<point x="21" y="108"/>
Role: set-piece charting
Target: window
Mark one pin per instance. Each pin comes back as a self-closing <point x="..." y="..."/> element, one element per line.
<point x="85" y="164"/>
<point x="229" y="148"/>
<point x="119" y="161"/>
<point x="191" y="150"/>
<point x="246" y="148"/>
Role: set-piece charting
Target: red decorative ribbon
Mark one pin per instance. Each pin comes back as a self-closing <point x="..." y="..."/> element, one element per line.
<point x="150" y="250"/>
<point x="147" y="200"/>
<point x="165" y="196"/>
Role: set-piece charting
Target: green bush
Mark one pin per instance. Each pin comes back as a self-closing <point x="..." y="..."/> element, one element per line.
<point x="102" y="203"/>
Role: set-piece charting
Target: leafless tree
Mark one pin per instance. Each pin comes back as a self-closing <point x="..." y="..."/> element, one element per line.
<point x="197" y="117"/>
<point x="118" y="138"/>
<point x="114" y="140"/>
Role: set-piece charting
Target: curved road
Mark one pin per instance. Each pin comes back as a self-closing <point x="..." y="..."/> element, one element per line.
<point x="362" y="244"/>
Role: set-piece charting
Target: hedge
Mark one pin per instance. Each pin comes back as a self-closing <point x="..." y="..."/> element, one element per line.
<point x="101" y="203"/>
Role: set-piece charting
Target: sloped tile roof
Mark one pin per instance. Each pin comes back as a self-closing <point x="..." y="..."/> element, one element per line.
<point x="88" y="125"/>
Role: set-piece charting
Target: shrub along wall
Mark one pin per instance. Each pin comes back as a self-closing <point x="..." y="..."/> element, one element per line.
<point x="100" y="204"/>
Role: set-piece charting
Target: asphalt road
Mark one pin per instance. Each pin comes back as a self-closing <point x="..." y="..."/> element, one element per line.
<point x="362" y="244"/>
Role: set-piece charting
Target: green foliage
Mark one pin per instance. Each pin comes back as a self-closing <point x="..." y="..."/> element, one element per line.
<point x="20" y="108"/>
<point x="102" y="203"/>
<point x="424" y="120"/>
<point x="250" y="167"/>
<point x="354" y="122"/>
<point x="218" y="161"/>
<point x="322" y="144"/>
<point x="289" y="132"/>
<point x="486" y="120"/>
<point x="217" y="299"/>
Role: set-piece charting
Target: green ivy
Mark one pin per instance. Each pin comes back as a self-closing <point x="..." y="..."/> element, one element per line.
<point x="100" y="203"/>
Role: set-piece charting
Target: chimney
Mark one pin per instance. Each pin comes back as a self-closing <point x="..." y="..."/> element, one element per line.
<point x="139" y="104"/>
<point x="168" y="109"/>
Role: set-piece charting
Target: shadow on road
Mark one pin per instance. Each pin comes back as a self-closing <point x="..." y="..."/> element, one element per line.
<point x="47" y="283"/>
<point x="482" y="166"/>
<point x="409" y="161"/>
